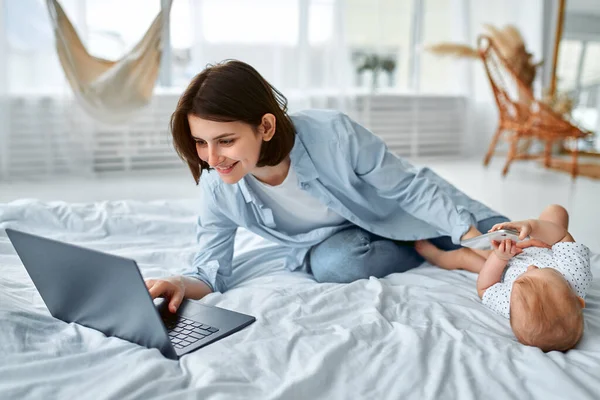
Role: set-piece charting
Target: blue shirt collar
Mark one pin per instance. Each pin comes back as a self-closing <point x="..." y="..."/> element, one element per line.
<point x="302" y="163"/>
<point x="299" y="160"/>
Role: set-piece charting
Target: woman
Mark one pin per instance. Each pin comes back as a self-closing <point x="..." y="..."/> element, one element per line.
<point x="316" y="182"/>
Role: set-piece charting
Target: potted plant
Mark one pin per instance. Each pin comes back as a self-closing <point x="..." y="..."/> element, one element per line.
<point x="388" y="65"/>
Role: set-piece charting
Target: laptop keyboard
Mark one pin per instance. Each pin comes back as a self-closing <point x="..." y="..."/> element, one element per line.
<point x="184" y="332"/>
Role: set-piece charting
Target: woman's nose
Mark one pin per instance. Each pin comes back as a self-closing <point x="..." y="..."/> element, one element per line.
<point x="213" y="156"/>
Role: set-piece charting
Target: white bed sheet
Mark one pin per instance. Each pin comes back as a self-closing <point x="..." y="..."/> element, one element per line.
<point x="418" y="335"/>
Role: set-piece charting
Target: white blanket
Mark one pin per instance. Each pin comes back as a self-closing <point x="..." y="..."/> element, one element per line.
<point x="418" y="335"/>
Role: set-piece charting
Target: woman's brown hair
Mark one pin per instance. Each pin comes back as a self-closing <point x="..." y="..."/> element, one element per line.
<point x="226" y="92"/>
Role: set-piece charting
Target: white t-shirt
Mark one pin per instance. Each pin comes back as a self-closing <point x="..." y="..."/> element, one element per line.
<point x="294" y="210"/>
<point x="571" y="259"/>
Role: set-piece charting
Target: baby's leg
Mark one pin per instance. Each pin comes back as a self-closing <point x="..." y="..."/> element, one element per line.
<point x="462" y="258"/>
<point x="557" y="214"/>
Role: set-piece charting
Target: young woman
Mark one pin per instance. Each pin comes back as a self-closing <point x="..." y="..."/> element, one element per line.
<point x="316" y="182"/>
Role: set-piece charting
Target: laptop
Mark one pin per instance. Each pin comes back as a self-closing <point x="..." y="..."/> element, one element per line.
<point x="107" y="293"/>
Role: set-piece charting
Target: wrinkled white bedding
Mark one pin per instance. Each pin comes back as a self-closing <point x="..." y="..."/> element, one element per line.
<point x="418" y="335"/>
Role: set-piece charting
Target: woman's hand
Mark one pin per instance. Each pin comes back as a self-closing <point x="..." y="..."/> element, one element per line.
<point x="506" y="249"/>
<point x="523" y="227"/>
<point x="171" y="288"/>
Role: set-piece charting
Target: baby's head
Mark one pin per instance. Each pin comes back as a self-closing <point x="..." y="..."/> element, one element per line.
<point x="545" y="312"/>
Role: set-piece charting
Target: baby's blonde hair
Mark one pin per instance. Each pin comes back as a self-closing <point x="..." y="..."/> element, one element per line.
<point x="546" y="316"/>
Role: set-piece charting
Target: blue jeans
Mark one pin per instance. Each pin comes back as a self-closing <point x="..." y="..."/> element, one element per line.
<point x="354" y="254"/>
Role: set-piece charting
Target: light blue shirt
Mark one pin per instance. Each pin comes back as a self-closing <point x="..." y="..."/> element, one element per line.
<point x="352" y="172"/>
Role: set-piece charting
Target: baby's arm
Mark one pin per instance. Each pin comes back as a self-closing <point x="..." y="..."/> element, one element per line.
<point x="490" y="273"/>
<point x="494" y="265"/>
<point x="549" y="232"/>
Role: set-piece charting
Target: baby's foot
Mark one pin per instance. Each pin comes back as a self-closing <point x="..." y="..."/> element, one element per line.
<point x="428" y="251"/>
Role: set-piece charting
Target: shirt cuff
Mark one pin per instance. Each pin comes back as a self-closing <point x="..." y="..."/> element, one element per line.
<point x="464" y="222"/>
<point x="215" y="283"/>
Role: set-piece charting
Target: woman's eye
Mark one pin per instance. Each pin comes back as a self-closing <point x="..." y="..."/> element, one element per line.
<point x="227" y="142"/>
<point x="200" y="143"/>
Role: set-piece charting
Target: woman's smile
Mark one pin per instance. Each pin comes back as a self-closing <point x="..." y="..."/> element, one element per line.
<point x="226" y="169"/>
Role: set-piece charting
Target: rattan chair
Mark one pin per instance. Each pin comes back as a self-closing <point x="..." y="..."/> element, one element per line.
<point x="521" y="116"/>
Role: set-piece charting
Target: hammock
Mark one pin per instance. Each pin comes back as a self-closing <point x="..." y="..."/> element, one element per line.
<point x="110" y="91"/>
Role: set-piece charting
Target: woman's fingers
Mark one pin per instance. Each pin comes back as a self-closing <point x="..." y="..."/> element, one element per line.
<point x="497" y="227"/>
<point x="176" y="300"/>
<point x="523" y="232"/>
<point x="169" y="290"/>
<point x="161" y="289"/>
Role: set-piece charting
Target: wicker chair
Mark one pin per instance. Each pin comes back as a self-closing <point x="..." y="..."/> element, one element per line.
<point x="521" y="116"/>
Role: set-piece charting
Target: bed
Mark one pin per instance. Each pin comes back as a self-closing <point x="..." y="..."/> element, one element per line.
<point x="419" y="335"/>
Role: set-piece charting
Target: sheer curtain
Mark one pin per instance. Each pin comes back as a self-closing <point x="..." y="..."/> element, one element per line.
<point x="303" y="47"/>
<point x="312" y="50"/>
<point x="4" y="115"/>
<point x="46" y="133"/>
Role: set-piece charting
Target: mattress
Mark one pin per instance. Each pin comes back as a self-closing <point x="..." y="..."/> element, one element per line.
<point x="423" y="334"/>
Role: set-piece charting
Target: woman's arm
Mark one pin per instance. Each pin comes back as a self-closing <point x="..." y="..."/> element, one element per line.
<point x="397" y="179"/>
<point x="216" y="237"/>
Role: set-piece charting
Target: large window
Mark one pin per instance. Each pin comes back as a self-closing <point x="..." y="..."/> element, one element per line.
<point x="112" y="27"/>
<point x="568" y="65"/>
<point x="381" y="28"/>
<point x="298" y="45"/>
<point x="590" y="70"/>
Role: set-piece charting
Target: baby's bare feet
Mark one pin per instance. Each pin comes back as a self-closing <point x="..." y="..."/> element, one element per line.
<point x="428" y="251"/>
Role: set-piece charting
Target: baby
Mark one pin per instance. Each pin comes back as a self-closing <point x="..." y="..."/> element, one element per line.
<point x="540" y="289"/>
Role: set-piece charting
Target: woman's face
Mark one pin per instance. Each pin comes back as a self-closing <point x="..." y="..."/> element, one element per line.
<point x="231" y="148"/>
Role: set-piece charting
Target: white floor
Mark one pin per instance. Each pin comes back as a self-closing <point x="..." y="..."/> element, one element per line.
<point x="526" y="190"/>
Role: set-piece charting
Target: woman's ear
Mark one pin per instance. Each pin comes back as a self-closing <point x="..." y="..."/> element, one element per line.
<point x="267" y="127"/>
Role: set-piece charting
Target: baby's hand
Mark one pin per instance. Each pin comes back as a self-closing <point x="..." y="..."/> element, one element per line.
<point x="506" y="249"/>
<point x="523" y="227"/>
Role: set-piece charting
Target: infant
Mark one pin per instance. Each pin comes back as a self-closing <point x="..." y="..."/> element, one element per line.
<point x="539" y="285"/>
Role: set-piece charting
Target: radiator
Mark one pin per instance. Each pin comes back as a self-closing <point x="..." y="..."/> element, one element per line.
<point x="53" y="136"/>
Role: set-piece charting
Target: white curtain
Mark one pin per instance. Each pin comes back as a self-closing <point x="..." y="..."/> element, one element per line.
<point x="4" y="114"/>
<point x="306" y="48"/>
<point x="46" y="133"/>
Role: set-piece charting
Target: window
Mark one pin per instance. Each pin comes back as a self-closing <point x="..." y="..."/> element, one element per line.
<point x="113" y="27"/>
<point x="437" y="74"/>
<point x="295" y="44"/>
<point x="32" y="63"/>
<point x="251" y="22"/>
<point x="382" y="28"/>
<point x="566" y="70"/>
<point x="590" y="73"/>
